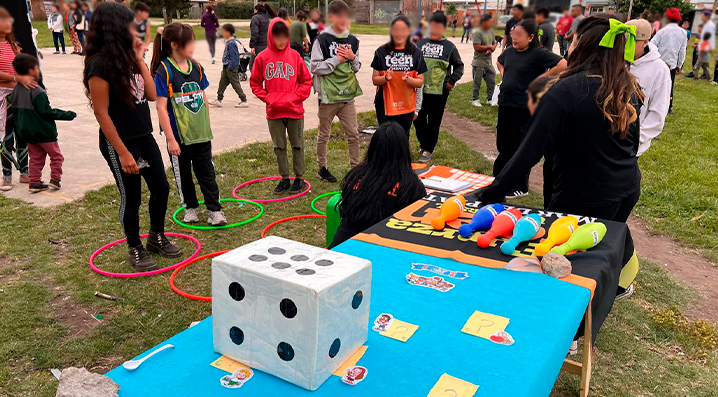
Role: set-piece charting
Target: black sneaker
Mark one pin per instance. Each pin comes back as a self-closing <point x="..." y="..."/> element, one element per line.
<point x="517" y="194"/>
<point x="297" y="186"/>
<point x="140" y="259"/>
<point x="55" y="185"/>
<point x="326" y="176"/>
<point x="37" y="187"/>
<point x="690" y="75"/>
<point x="283" y="186"/>
<point x="159" y="244"/>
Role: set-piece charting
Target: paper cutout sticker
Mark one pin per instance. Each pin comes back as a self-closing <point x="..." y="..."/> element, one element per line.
<point x="351" y="362"/>
<point x="484" y="325"/>
<point x="440" y="271"/>
<point x="436" y="282"/>
<point x="400" y="330"/>
<point x="382" y="322"/>
<point x="449" y="386"/>
<point x="227" y="364"/>
<point x="354" y="375"/>
<point x="502" y="338"/>
<point x="237" y="379"/>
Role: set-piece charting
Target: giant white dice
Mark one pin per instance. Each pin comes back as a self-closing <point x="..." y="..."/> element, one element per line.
<point x="290" y="309"/>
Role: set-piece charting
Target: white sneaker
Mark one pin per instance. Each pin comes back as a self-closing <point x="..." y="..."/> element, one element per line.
<point x="242" y="105"/>
<point x="216" y="218"/>
<point x="6" y="183"/>
<point x="213" y="61"/>
<point x="476" y="103"/>
<point x="517" y="194"/>
<point x="215" y="103"/>
<point x="627" y="293"/>
<point x="573" y="350"/>
<point x="190" y="215"/>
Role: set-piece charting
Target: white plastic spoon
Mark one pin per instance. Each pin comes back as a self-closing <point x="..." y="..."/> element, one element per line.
<point x="132" y="365"/>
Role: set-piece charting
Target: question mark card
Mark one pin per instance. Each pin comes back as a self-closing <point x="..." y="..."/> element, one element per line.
<point x="484" y="325"/>
<point x="449" y="386"/>
<point x="400" y="330"/>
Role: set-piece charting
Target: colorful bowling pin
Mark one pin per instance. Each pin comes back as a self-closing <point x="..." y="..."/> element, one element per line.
<point x="585" y="237"/>
<point x="503" y="225"/>
<point x="526" y="228"/>
<point x="559" y="232"/>
<point x="449" y="211"/>
<point x="482" y="220"/>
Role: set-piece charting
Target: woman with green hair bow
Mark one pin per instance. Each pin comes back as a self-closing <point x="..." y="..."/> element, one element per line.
<point x="586" y="127"/>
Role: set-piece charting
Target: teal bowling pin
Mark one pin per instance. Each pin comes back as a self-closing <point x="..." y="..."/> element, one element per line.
<point x="525" y="229"/>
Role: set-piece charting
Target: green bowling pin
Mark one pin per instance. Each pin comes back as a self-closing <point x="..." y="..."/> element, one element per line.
<point x="585" y="237"/>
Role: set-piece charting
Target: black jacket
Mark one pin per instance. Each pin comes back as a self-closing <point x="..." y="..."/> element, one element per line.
<point x="258" y="30"/>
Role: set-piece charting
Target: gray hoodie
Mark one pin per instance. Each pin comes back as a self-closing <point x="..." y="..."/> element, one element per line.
<point x="321" y="65"/>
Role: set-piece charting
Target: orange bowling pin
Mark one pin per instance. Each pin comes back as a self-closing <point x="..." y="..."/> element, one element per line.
<point x="559" y="232"/>
<point x="449" y="211"/>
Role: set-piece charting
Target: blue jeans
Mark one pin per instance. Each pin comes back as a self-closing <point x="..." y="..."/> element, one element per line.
<point x="58" y="37"/>
<point x="81" y="37"/>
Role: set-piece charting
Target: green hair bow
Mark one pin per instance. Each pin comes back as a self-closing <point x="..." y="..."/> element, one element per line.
<point x="617" y="27"/>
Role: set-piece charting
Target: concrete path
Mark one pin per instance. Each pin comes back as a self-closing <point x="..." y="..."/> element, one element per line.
<point x="84" y="167"/>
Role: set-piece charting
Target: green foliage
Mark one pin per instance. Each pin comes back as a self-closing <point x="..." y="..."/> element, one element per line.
<point x="451" y="10"/>
<point x="656" y="6"/>
<point x="171" y="6"/>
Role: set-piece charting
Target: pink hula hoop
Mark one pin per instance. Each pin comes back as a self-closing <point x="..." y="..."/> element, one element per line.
<point x="143" y="274"/>
<point x="269" y="178"/>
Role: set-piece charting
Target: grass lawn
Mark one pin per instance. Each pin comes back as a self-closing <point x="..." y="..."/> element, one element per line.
<point x="48" y="308"/>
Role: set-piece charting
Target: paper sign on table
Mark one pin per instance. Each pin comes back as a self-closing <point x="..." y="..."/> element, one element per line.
<point x="448" y="386"/>
<point x="484" y="325"/>
<point x="400" y="330"/>
<point x="227" y="364"/>
<point x="351" y="362"/>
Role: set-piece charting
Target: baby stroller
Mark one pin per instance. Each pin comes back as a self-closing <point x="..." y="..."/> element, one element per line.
<point x="244" y="58"/>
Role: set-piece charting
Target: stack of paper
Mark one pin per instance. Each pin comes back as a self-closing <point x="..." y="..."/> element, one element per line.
<point x="445" y="185"/>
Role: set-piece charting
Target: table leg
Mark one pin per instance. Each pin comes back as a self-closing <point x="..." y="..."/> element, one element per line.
<point x="584" y="367"/>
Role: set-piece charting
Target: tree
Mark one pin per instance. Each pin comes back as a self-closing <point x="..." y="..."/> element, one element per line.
<point x="38" y="10"/>
<point x="655" y="6"/>
<point x="451" y="10"/>
<point x="170" y="7"/>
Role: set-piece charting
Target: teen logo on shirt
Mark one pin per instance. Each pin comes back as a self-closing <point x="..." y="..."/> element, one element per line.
<point x="399" y="61"/>
<point x="191" y="97"/>
<point x="432" y="50"/>
<point x="282" y="70"/>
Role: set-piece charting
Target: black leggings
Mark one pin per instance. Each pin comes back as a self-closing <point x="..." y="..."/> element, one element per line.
<point x="12" y="142"/>
<point x="510" y="129"/>
<point x="212" y="41"/>
<point x="130" y="185"/>
<point x="618" y="211"/>
<point x="428" y="121"/>
<point x="197" y="157"/>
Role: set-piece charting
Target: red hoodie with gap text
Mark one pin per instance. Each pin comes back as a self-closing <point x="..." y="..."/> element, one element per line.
<point x="280" y="79"/>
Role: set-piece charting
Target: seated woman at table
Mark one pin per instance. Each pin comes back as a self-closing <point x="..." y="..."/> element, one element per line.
<point x="587" y="123"/>
<point x="382" y="184"/>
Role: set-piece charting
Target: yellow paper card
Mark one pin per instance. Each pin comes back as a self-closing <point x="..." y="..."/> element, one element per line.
<point x="484" y="325"/>
<point x="448" y="386"/>
<point x="227" y="364"/>
<point x="351" y="362"/>
<point x="400" y="330"/>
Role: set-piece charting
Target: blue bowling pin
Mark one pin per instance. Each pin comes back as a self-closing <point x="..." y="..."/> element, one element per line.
<point x="482" y="220"/>
<point x="525" y="229"/>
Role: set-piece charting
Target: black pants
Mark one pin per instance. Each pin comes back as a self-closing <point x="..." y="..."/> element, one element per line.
<point x="618" y="211"/>
<point x="130" y="186"/>
<point x="12" y="142"/>
<point x="81" y="37"/>
<point x="694" y="59"/>
<point x="212" y="41"/>
<point x="466" y="33"/>
<point x="428" y="121"/>
<point x="510" y="130"/>
<point x="715" y="73"/>
<point x="673" y="80"/>
<point x="58" y="38"/>
<point x="404" y="120"/>
<point x="197" y="158"/>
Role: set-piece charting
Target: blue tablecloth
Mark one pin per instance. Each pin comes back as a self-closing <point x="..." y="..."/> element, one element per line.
<point x="544" y="314"/>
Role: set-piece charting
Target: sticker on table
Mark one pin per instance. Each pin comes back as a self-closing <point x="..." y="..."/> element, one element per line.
<point x="400" y="330"/>
<point x="351" y="362"/>
<point x="354" y="375"/>
<point x="502" y="338"/>
<point x="484" y="325"/>
<point x="382" y="322"/>
<point x="227" y="364"/>
<point x="436" y="282"/>
<point x="237" y="379"/>
<point x="449" y="386"/>
<point x="440" y="271"/>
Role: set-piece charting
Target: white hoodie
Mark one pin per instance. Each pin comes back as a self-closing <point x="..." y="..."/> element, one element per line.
<point x="654" y="77"/>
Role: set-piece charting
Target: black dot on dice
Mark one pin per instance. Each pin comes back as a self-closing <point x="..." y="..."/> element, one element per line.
<point x="356" y="300"/>
<point x="276" y="251"/>
<point x="305" y="272"/>
<point x="280" y="265"/>
<point x="299" y="258"/>
<point x="257" y="258"/>
<point x="236" y="335"/>
<point x="288" y="308"/>
<point x="285" y="351"/>
<point x="324" y="262"/>
<point x="334" y="349"/>
<point x="236" y="291"/>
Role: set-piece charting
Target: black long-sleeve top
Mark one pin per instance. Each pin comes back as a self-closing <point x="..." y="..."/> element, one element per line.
<point x="590" y="166"/>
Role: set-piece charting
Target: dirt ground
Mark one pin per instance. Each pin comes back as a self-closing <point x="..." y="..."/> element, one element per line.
<point x="686" y="264"/>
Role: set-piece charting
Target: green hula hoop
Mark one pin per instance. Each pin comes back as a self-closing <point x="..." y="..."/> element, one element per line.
<point x="250" y="220"/>
<point x="315" y="209"/>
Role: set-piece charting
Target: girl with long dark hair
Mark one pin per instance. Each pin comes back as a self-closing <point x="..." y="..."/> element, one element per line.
<point x="258" y="26"/>
<point x="398" y="74"/>
<point x="587" y="127"/>
<point x="210" y="23"/>
<point x="118" y="85"/>
<point x="519" y="65"/>
<point x="382" y="184"/>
